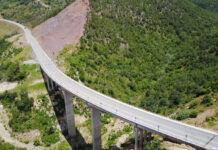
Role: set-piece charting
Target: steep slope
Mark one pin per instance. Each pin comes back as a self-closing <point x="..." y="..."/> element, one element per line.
<point x="31" y="12"/>
<point x="154" y="54"/>
<point x="64" y="28"/>
<point x="211" y="5"/>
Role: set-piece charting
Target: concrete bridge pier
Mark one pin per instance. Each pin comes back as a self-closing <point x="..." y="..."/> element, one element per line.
<point x="136" y="138"/>
<point x="55" y="84"/>
<point x="145" y="136"/>
<point x="69" y="113"/>
<point x="52" y="84"/>
<point x="141" y="138"/>
<point x="47" y="82"/>
<point x="96" y="128"/>
<point x="149" y="136"/>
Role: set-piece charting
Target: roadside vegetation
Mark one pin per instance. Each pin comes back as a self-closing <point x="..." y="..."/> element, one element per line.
<point x="8" y="29"/>
<point x="30" y="12"/>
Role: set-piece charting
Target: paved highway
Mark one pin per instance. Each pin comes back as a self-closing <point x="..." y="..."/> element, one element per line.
<point x="141" y="118"/>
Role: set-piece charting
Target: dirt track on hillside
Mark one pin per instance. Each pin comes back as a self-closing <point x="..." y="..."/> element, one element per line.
<point x="65" y="28"/>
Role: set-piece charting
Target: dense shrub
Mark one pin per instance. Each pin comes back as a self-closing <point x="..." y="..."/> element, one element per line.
<point x="154" y="144"/>
<point x="182" y="114"/>
<point x="36" y="142"/>
<point x="7" y="98"/>
<point x="193" y="114"/>
<point x="193" y="105"/>
<point x="127" y="129"/>
<point x="113" y="136"/>
<point x="207" y="100"/>
<point x="210" y="118"/>
<point x="12" y="72"/>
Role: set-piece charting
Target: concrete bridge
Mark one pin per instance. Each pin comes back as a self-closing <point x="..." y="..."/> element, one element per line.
<point x="144" y="122"/>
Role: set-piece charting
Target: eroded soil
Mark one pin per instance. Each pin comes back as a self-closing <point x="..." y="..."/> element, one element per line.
<point x="65" y="28"/>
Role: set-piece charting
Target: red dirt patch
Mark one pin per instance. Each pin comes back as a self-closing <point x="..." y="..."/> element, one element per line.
<point x="65" y="28"/>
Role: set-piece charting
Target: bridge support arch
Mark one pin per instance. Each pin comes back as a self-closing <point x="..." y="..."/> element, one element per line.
<point x="69" y="113"/>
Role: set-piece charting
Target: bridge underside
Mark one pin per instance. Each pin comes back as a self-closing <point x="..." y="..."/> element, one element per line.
<point x="142" y="134"/>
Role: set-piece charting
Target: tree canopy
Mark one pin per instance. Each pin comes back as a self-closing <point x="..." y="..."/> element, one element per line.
<point x="154" y="54"/>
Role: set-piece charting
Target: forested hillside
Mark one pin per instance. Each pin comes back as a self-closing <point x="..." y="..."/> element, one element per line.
<point x="211" y="5"/>
<point x="154" y="54"/>
<point x="31" y="12"/>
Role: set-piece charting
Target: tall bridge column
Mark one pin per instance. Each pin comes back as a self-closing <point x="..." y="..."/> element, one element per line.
<point x="69" y="113"/>
<point x="136" y="138"/>
<point x="145" y="136"/>
<point x="141" y="138"/>
<point x="149" y="136"/>
<point x="52" y="84"/>
<point x="96" y="128"/>
<point x="47" y="82"/>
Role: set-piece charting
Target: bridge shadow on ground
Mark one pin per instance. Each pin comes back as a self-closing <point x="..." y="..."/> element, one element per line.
<point x="57" y="100"/>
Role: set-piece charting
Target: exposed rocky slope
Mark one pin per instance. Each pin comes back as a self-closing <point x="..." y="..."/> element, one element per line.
<point x="65" y="28"/>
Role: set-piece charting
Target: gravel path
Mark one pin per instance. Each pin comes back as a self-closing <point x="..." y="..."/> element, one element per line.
<point x="7" y="86"/>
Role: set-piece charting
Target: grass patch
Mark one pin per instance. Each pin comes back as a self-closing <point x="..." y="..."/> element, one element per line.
<point x="211" y="123"/>
<point x="7" y="146"/>
<point x="63" y="146"/>
<point x="8" y="29"/>
<point x="37" y="87"/>
<point x="24" y="55"/>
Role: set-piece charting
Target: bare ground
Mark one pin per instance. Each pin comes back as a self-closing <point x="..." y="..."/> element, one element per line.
<point x="7" y="86"/>
<point x="31" y="62"/>
<point x="173" y="146"/>
<point x="116" y="125"/>
<point x="200" y="120"/>
<point x="65" y="28"/>
<point x="42" y="3"/>
<point x="19" y="40"/>
<point x="36" y="82"/>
